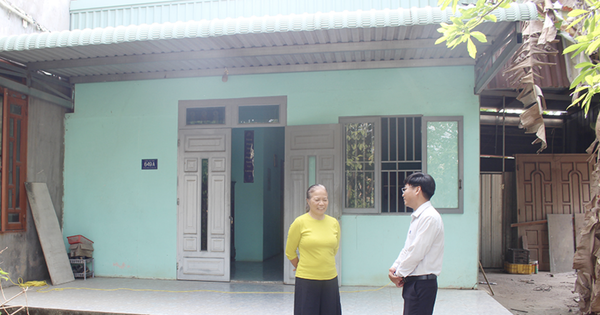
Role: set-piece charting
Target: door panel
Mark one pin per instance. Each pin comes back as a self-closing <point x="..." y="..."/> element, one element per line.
<point x="323" y="143"/>
<point x="549" y="184"/>
<point x="203" y="188"/>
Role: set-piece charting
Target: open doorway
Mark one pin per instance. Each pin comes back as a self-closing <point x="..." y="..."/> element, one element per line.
<point x="257" y="204"/>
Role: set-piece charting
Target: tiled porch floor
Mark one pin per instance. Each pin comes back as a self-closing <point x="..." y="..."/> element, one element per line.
<point x="142" y="296"/>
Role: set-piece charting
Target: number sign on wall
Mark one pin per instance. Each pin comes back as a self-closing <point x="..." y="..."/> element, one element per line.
<point x="149" y="164"/>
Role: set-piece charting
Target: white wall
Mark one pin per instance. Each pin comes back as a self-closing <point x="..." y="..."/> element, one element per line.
<point x="51" y="14"/>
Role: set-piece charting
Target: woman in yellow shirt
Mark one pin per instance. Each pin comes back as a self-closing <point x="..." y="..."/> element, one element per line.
<point x="317" y="237"/>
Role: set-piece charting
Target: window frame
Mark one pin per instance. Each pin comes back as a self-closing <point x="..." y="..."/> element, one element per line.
<point x="459" y="119"/>
<point x="232" y="106"/>
<point x="376" y="120"/>
<point x="9" y="97"/>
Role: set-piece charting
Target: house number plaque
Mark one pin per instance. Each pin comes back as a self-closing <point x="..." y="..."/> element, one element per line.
<point x="149" y="164"/>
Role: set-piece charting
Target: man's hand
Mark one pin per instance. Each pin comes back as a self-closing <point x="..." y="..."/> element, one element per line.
<point x="397" y="280"/>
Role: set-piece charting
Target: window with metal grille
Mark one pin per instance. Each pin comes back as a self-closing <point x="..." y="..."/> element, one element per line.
<point x="400" y="157"/>
<point x="380" y="152"/>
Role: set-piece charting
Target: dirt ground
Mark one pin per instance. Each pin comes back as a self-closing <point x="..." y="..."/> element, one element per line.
<point x="544" y="293"/>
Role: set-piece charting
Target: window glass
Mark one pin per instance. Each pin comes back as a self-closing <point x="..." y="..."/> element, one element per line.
<point x="13" y="218"/>
<point x="10" y="162"/>
<point x="18" y="184"/>
<point x="360" y="165"/>
<point x="312" y="170"/>
<point x="10" y="199"/>
<point x="205" y="116"/>
<point x="15" y="109"/>
<point x="442" y="162"/>
<point x="266" y="114"/>
<point x="204" y="207"/>
<point x="18" y="141"/>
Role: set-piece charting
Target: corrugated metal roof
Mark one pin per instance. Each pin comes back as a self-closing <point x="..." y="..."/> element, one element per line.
<point x="550" y="77"/>
<point x="94" y="13"/>
<point x="253" y="25"/>
<point x="283" y="43"/>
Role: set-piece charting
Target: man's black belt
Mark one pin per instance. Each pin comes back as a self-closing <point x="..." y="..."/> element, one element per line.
<point x="416" y="278"/>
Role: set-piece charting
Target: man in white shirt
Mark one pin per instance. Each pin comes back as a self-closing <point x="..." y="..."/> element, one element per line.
<point x="420" y="261"/>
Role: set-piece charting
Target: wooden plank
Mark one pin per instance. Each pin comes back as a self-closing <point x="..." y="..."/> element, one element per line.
<point x="560" y="237"/>
<point x="491" y="234"/>
<point x="529" y="223"/>
<point x="49" y="233"/>
<point x="509" y="214"/>
<point x="485" y="248"/>
<point x="496" y="221"/>
<point x="525" y="242"/>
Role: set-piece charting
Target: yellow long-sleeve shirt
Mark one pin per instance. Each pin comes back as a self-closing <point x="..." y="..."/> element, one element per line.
<point x="317" y="241"/>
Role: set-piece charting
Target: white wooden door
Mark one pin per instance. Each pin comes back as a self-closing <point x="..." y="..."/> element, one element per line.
<point x="311" y="153"/>
<point x="203" y="187"/>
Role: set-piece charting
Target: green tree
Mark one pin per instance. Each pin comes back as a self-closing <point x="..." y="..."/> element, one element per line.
<point x="576" y="20"/>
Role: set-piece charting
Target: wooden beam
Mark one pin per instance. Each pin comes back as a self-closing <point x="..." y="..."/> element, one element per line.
<point x="529" y="223"/>
<point x="21" y="88"/>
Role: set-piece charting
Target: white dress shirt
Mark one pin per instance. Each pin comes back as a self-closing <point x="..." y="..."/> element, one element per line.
<point x="424" y="247"/>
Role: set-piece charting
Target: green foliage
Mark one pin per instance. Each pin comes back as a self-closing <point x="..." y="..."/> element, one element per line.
<point x="461" y="29"/>
<point x="585" y="23"/>
<point x="587" y="83"/>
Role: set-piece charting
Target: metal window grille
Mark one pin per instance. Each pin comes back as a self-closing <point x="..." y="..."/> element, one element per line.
<point x="401" y="155"/>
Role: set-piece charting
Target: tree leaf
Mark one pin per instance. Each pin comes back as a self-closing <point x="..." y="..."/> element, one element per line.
<point x="589" y="80"/>
<point x="571" y="48"/>
<point x="479" y="36"/>
<point x="593" y="47"/>
<point x="577" y="12"/>
<point x="443" y="3"/>
<point x="578" y="99"/>
<point x="505" y="4"/>
<point x="471" y="48"/>
<point x="441" y="40"/>
<point x="490" y="17"/>
<point x="575" y="22"/>
<point x="583" y="64"/>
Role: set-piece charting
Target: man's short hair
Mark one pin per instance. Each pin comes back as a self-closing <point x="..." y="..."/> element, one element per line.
<point x="425" y="181"/>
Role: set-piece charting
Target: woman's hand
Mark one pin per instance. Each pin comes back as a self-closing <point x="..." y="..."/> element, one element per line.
<point x="294" y="263"/>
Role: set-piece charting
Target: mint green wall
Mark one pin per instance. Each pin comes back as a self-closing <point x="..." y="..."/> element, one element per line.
<point x="131" y="214"/>
<point x="248" y="198"/>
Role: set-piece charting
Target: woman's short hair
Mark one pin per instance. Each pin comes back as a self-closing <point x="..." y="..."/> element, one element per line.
<point x="310" y="190"/>
<point x="425" y="181"/>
